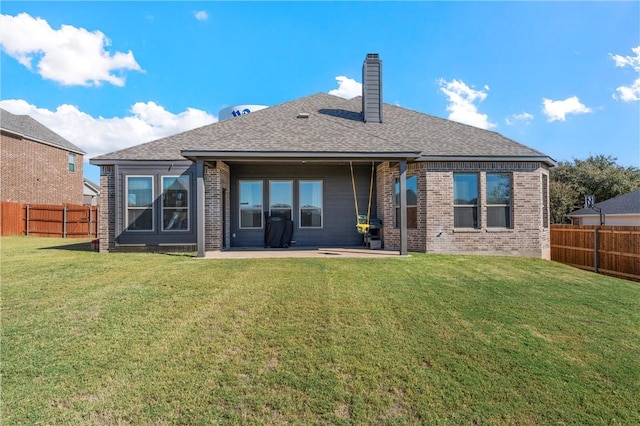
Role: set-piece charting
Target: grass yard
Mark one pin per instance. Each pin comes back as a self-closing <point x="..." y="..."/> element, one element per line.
<point x="116" y="339"/>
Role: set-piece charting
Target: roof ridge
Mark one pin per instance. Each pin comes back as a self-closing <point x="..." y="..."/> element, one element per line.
<point x="30" y="128"/>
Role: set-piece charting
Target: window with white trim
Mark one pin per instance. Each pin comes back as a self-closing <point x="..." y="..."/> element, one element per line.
<point x="175" y="203"/>
<point x="281" y="199"/>
<point x="139" y="212"/>
<point x="465" y="200"/>
<point x="311" y="197"/>
<point x="498" y="200"/>
<point x="72" y="162"/>
<point x="250" y="204"/>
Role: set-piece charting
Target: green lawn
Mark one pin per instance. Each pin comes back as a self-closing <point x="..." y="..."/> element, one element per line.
<point x="114" y="339"/>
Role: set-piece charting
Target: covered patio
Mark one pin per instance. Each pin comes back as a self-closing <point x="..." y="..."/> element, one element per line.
<point x="220" y="175"/>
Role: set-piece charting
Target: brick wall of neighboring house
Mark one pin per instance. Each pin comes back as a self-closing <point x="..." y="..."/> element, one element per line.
<point x="435" y="232"/>
<point x="107" y="220"/>
<point x="216" y="179"/>
<point x="37" y="173"/>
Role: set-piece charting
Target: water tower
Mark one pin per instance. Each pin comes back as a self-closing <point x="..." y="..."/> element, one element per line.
<point x="237" y="110"/>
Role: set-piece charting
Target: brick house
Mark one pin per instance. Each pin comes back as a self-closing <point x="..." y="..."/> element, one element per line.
<point x="437" y="185"/>
<point x="38" y="165"/>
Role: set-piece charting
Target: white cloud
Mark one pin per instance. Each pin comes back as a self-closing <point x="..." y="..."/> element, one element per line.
<point x="523" y="117"/>
<point x="633" y="62"/>
<point x="70" y="56"/>
<point x="147" y="121"/>
<point x="632" y="92"/>
<point x="201" y="15"/>
<point x="462" y="106"/>
<point x="558" y="110"/>
<point x="347" y="88"/>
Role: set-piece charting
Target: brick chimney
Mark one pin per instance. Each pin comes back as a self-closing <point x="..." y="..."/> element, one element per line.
<point x="372" y="89"/>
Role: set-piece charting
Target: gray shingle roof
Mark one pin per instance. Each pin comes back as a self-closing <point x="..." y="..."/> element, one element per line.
<point x="32" y="129"/>
<point x="628" y="203"/>
<point x="334" y="125"/>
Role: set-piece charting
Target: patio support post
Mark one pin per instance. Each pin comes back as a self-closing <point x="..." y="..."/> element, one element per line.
<point x="200" y="232"/>
<point x="403" y="207"/>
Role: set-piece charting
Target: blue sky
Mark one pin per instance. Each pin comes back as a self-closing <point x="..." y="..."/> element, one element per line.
<point x="562" y="78"/>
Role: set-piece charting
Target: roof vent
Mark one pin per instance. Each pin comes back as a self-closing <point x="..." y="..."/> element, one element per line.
<point x="303" y="115"/>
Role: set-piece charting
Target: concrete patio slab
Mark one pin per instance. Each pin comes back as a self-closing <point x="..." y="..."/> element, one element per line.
<point x="322" y="252"/>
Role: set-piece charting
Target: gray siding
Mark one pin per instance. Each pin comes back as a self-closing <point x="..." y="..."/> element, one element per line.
<point x="157" y="236"/>
<point x="339" y="218"/>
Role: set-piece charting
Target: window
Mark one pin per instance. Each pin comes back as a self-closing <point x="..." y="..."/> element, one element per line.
<point x="412" y="201"/>
<point x="72" y="162"/>
<point x="250" y="204"/>
<point x="310" y="204"/>
<point x="465" y="200"/>
<point x="139" y="203"/>
<point x="498" y="200"/>
<point x="281" y="199"/>
<point x="175" y="203"/>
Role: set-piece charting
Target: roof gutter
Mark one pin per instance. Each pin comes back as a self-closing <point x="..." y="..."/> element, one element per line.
<point x="296" y="156"/>
<point x="519" y="158"/>
<point x="55" y="145"/>
<point x="112" y="162"/>
<point x="596" y="214"/>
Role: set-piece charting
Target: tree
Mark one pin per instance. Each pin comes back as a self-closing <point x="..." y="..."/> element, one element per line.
<point x="562" y="199"/>
<point x="598" y="175"/>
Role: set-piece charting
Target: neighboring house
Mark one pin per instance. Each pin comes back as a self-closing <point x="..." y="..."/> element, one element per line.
<point x="91" y="193"/>
<point x="438" y="186"/>
<point x="623" y="210"/>
<point x="38" y="165"/>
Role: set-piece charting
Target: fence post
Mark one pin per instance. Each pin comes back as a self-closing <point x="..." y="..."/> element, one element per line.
<point x="27" y="219"/>
<point x="64" y="221"/>
<point x="595" y="250"/>
<point x="89" y="224"/>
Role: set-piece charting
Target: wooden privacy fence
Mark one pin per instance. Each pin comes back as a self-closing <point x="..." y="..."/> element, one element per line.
<point x="45" y="220"/>
<point x="611" y="250"/>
